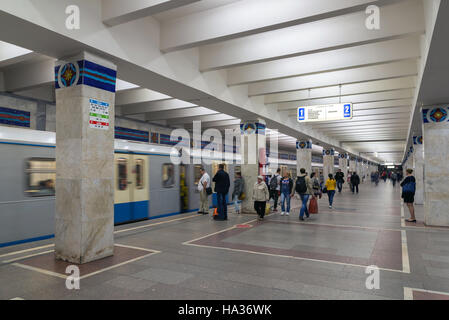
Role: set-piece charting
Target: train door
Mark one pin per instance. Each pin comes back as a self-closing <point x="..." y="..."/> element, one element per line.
<point x="183" y="188"/>
<point x="131" y="188"/>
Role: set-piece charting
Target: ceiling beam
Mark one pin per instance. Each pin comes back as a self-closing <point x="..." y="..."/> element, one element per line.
<point x="140" y="95"/>
<point x="340" y="59"/>
<point x="173" y="114"/>
<point x="243" y="18"/>
<point x="155" y="106"/>
<point x="116" y="12"/>
<point x="398" y="20"/>
<point x="343" y="90"/>
<point x="205" y="118"/>
<point x="334" y="78"/>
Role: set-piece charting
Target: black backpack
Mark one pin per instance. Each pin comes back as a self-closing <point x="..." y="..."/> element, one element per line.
<point x="301" y="186"/>
<point x="274" y="182"/>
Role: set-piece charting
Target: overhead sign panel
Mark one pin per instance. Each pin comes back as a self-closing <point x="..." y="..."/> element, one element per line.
<point x="329" y="112"/>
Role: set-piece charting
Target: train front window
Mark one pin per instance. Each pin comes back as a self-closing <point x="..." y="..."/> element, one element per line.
<point x="139" y="174"/>
<point x="41" y="177"/>
<point x="122" y="176"/>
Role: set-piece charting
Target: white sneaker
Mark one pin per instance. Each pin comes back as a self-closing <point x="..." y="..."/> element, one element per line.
<point x="330" y="207"/>
<point x="287" y="213"/>
<point x="282" y="213"/>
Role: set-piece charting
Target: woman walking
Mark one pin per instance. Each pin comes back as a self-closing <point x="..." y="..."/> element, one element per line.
<point x="239" y="187"/>
<point x="260" y="196"/>
<point x="331" y="185"/>
<point x="408" y="193"/>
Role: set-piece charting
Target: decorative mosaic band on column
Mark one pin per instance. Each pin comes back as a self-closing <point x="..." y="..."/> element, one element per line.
<point x="14" y="117"/>
<point x="252" y="127"/>
<point x="87" y="73"/>
<point x="436" y="115"/>
<point x="329" y="152"/>
<point x="417" y="140"/>
<point x="343" y="156"/>
<point x="303" y="145"/>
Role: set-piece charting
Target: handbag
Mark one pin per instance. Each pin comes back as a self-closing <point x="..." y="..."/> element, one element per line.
<point x="267" y="208"/>
<point x="313" y="206"/>
<point x="409" y="187"/>
<point x="324" y="190"/>
<point x="242" y="196"/>
<point x="209" y="191"/>
<point x="215" y="212"/>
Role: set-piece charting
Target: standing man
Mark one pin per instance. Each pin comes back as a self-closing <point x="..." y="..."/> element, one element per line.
<point x="340" y="177"/>
<point x="304" y="188"/>
<point x="355" y="181"/>
<point x="222" y="184"/>
<point x="239" y="187"/>
<point x="275" y="188"/>
<point x="287" y="193"/>
<point x="203" y="185"/>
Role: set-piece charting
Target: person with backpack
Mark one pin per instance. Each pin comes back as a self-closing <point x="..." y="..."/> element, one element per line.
<point x="331" y="185"/>
<point x="355" y="181"/>
<point x="304" y="188"/>
<point x="286" y="187"/>
<point x="275" y="189"/>
<point x="340" y="177"/>
<point x="408" y="193"/>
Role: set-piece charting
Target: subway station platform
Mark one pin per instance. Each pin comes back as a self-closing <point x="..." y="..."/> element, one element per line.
<point x="192" y="257"/>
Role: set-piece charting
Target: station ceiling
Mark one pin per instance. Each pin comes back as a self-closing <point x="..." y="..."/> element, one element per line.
<point x="220" y="61"/>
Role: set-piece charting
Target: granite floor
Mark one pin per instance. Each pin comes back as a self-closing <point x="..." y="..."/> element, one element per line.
<point x="193" y="257"/>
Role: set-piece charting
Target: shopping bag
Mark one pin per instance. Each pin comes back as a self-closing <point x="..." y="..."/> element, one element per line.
<point x="267" y="208"/>
<point x="313" y="206"/>
<point x="242" y="196"/>
<point x="215" y="212"/>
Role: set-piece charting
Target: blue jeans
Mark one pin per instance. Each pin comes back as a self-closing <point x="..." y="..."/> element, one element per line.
<point x="236" y="204"/>
<point x="339" y="185"/>
<point x="222" y="207"/>
<point x="304" y="199"/>
<point x="331" y="194"/>
<point x="284" y="197"/>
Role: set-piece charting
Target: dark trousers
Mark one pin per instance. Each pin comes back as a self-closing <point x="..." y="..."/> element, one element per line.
<point x="222" y="206"/>
<point x="355" y="187"/>
<point x="339" y="185"/>
<point x="274" y="194"/>
<point x="260" y="207"/>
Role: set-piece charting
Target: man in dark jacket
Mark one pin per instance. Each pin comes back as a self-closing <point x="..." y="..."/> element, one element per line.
<point x="340" y="177"/>
<point x="355" y="181"/>
<point x="222" y="184"/>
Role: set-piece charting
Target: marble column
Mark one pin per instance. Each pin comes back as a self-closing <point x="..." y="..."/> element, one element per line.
<point x="418" y="164"/>
<point x="436" y="170"/>
<point x="352" y="165"/>
<point x="85" y="96"/>
<point x="253" y="152"/>
<point x="343" y="164"/>
<point x="304" y="156"/>
<point x="328" y="162"/>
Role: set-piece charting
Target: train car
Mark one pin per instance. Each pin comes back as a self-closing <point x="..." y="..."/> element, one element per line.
<point x="142" y="172"/>
<point x="148" y="185"/>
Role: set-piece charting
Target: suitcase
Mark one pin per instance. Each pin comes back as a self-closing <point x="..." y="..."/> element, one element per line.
<point x="313" y="206"/>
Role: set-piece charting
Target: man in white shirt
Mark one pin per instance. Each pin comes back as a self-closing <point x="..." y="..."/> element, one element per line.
<point x="203" y="184"/>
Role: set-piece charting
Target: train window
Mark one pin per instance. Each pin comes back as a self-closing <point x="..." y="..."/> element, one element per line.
<point x="122" y="176"/>
<point x="41" y="177"/>
<point x="139" y="174"/>
<point x="197" y="174"/>
<point x="168" y="175"/>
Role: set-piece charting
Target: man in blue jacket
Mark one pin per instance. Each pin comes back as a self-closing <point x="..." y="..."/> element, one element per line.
<point x="222" y="184"/>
